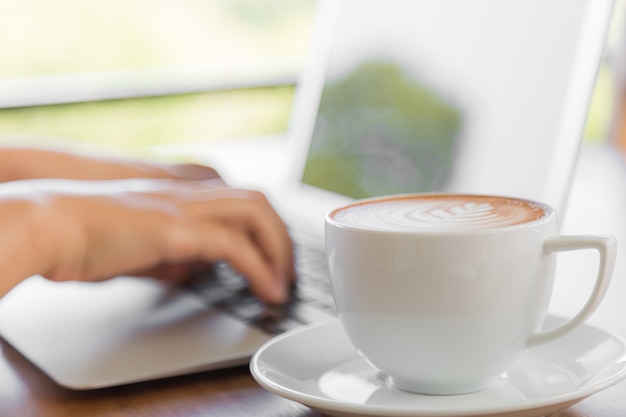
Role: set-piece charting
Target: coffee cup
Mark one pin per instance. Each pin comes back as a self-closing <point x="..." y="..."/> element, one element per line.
<point x="444" y="292"/>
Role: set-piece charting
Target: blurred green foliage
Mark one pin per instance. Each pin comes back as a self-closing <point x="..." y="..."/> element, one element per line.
<point x="134" y="125"/>
<point x="39" y="38"/>
<point x="382" y="132"/>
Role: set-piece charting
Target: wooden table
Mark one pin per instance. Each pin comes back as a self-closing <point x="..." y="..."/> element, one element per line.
<point x="599" y="187"/>
<point x="26" y="392"/>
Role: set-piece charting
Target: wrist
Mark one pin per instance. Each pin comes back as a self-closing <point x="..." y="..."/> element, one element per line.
<point x="23" y="251"/>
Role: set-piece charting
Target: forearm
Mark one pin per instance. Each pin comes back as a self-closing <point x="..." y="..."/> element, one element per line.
<point x="20" y="163"/>
<point x="22" y="252"/>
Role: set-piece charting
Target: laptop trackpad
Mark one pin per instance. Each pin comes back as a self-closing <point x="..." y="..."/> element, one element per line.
<point x="92" y="335"/>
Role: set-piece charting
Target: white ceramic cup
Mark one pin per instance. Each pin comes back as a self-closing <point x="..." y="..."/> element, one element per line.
<point x="443" y="293"/>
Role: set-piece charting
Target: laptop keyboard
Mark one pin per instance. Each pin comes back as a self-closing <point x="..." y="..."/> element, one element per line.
<point x="310" y="300"/>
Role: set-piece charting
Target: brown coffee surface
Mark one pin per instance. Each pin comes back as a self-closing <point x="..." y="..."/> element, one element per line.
<point x="439" y="212"/>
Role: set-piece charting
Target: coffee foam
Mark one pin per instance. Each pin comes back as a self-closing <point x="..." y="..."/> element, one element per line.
<point x="435" y="212"/>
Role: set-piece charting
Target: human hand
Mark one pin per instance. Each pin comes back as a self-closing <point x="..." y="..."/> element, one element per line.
<point x="95" y="230"/>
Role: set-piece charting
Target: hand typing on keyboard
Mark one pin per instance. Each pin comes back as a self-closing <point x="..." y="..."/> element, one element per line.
<point x="309" y="299"/>
<point x="74" y="217"/>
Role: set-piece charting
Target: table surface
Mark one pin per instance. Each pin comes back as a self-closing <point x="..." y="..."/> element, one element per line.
<point x="597" y="205"/>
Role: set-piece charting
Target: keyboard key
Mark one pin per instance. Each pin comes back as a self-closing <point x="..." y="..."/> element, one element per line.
<point x="311" y="298"/>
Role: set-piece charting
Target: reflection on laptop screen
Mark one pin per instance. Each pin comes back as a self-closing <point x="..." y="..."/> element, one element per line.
<point x="380" y="130"/>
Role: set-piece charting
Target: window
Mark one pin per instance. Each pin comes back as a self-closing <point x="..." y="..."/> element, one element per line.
<point x="126" y="74"/>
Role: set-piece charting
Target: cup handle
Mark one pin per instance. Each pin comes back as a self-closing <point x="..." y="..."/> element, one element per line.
<point x="607" y="249"/>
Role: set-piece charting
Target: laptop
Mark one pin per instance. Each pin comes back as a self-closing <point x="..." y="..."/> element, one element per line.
<point x="488" y="96"/>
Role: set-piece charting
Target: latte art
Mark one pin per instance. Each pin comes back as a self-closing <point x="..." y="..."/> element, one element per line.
<point x="434" y="212"/>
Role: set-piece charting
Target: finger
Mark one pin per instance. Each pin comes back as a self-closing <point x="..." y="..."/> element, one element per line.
<point x="269" y="232"/>
<point x="192" y="172"/>
<point x="252" y="213"/>
<point x="168" y="273"/>
<point x="212" y="242"/>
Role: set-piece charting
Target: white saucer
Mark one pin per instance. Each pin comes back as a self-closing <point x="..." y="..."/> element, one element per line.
<point x="318" y="367"/>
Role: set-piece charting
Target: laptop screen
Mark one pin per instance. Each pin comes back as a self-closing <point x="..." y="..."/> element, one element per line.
<point x="447" y="95"/>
